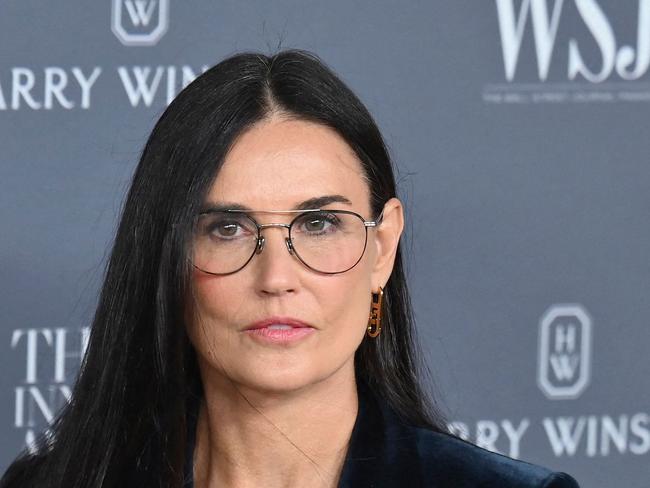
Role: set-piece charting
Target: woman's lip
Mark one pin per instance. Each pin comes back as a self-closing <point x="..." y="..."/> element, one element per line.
<point x="266" y="335"/>
<point x="265" y="323"/>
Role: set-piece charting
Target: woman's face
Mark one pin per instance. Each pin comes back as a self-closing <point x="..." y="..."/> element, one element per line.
<point x="276" y="165"/>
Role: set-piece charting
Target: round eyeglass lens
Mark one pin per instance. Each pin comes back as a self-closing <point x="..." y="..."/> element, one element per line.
<point x="223" y="242"/>
<point x="329" y="242"/>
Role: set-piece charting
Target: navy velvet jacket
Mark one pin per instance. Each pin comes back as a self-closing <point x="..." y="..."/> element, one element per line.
<point x="384" y="452"/>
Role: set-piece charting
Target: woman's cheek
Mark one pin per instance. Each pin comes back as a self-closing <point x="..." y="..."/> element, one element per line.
<point x="216" y="296"/>
<point x="349" y="311"/>
<point x="211" y="308"/>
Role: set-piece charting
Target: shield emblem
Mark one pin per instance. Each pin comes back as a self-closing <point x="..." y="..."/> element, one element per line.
<point x="564" y="359"/>
<point x="139" y="22"/>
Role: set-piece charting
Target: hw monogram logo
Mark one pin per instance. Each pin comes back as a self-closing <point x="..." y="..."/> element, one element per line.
<point x="140" y="22"/>
<point x="564" y="352"/>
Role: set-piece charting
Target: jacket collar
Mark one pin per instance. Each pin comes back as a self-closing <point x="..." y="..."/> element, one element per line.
<point x="383" y="450"/>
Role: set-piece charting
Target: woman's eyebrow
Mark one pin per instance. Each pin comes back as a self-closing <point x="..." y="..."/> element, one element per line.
<point x="316" y="202"/>
<point x="319" y="202"/>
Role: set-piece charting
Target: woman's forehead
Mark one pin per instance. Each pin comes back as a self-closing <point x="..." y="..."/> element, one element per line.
<point x="279" y="163"/>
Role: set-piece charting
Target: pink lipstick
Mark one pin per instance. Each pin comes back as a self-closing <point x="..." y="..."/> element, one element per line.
<point x="279" y="330"/>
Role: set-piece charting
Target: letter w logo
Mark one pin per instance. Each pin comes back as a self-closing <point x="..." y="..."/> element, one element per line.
<point x="140" y="11"/>
<point x="564" y="366"/>
<point x="511" y="28"/>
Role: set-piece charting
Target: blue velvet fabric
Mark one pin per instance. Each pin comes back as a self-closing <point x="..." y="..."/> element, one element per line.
<point x="385" y="452"/>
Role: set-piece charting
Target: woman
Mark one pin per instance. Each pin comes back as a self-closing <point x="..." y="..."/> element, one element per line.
<point x="254" y="327"/>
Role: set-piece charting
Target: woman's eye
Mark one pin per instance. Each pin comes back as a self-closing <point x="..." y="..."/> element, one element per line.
<point x="315" y="225"/>
<point x="226" y="229"/>
<point x="319" y="224"/>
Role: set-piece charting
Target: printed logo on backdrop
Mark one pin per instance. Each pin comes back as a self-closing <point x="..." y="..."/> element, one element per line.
<point x="563" y="373"/>
<point x="564" y="357"/>
<point x="559" y="51"/>
<point x="49" y="359"/>
<point x="140" y="22"/>
<point x="135" y="23"/>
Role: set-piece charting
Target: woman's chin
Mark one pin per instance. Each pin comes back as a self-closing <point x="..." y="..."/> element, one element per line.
<point x="273" y="373"/>
<point x="280" y="382"/>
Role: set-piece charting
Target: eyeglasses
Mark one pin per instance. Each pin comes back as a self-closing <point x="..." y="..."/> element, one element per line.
<point x="325" y="241"/>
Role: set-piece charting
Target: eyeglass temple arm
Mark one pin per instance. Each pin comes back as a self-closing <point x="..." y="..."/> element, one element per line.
<point x="376" y="222"/>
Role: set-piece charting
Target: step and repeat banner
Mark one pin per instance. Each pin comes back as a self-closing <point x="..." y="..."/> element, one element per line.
<point x="520" y="130"/>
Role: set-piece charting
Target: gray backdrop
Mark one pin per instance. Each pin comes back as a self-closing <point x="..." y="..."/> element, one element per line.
<point x="520" y="133"/>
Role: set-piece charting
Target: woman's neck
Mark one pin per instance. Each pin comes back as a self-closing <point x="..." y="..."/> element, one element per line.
<point x="251" y="438"/>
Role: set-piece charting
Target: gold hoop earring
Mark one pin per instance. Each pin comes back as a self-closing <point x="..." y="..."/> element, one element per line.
<point x="374" y="319"/>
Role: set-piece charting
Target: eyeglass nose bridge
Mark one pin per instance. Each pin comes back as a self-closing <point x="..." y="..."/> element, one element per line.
<point x="261" y="240"/>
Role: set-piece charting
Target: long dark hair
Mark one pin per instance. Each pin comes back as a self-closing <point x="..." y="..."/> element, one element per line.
<point x="127" y="420"/>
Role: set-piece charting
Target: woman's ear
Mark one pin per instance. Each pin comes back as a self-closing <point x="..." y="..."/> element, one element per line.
<point x="386" y="237"/>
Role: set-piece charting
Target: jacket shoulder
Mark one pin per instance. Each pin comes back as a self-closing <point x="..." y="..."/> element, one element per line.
<point x="461" y="464"/>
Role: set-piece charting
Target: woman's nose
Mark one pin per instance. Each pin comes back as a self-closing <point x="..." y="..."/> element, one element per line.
<point x="261" y="241"/>
<point x="276" y="263"/>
